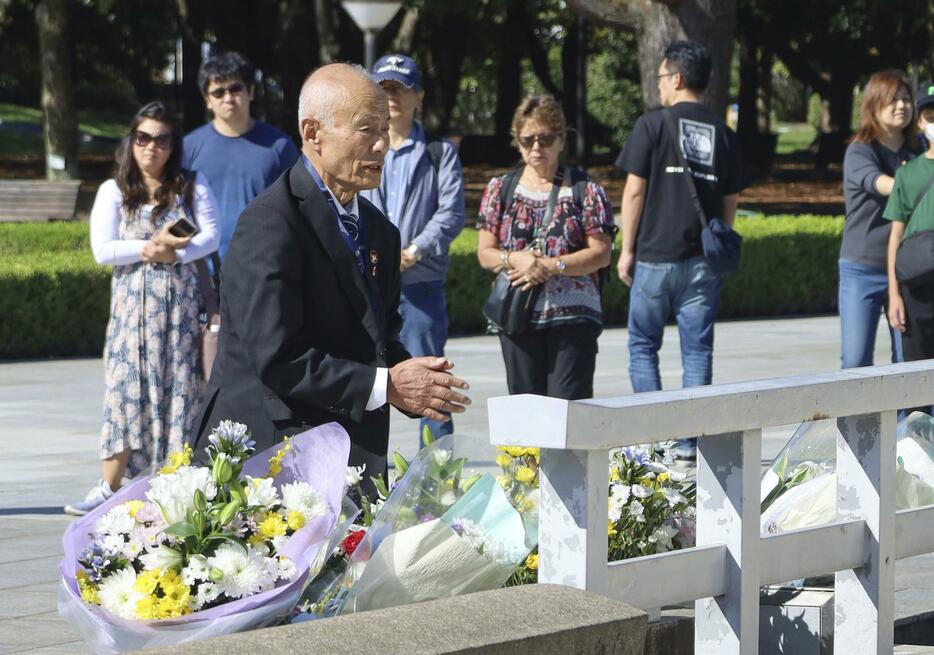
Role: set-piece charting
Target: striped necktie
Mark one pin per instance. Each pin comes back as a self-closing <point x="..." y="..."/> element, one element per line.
<point x="349" y="221"/>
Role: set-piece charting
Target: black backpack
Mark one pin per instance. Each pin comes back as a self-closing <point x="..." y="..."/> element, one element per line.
<point x="579" y="179"/>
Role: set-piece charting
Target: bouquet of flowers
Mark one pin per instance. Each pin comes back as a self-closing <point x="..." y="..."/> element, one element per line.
<point x="800" y="488"/>
<point x="436" y="532"/>
<point x="651" y="506"/>
<point x="197" y="551"/>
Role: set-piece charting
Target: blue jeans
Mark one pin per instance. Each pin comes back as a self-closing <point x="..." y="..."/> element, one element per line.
<point x="688" y="290"/>
<point x="424" y="332"/>
<point x="863" y="295"/>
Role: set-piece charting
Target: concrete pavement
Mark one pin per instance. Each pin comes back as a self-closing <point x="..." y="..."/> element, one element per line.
<point x="49" y="422"/>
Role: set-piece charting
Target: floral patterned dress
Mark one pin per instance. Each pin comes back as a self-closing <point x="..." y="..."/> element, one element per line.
<point x="151" y="355"/>
<point x="564" y="299"/>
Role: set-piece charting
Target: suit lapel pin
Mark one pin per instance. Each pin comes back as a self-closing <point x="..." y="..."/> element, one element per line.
<point x="374" y="260"/>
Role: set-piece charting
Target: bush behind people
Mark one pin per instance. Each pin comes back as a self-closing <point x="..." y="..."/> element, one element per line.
<point x="54" y="298"/>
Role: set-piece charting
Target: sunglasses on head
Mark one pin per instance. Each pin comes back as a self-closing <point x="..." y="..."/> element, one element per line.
<point x="143" y="139"/>
<point x="546" y="140"/>
<point x="221" y="91"/>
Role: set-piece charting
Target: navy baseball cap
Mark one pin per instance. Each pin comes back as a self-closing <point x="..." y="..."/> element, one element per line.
<point x="925" y="95"/>
<point x="398" y="68"/>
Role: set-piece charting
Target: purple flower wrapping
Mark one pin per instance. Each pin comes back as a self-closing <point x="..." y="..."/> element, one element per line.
<point x="318" y="457"/>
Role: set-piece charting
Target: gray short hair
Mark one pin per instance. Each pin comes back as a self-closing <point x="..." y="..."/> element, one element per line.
<point x="321" y="99"/>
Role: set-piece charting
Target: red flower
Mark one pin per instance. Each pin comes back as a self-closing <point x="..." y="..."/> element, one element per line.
<point x="351" y="541"/>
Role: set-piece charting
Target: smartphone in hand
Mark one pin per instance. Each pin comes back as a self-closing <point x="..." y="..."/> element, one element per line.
<point x="182" y="228"/>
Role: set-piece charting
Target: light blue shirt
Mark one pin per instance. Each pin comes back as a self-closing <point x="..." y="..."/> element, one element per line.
<point x="427" y="207"/>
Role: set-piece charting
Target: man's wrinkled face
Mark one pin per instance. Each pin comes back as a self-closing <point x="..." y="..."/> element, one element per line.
<point x="351" y="151"/>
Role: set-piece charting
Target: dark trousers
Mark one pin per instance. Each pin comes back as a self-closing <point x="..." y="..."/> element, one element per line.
<point x="557" y="361"/>
<point x="918" y="339"/>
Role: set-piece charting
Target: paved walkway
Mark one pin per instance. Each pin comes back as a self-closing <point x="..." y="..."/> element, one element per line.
<point x="50" y="412"/>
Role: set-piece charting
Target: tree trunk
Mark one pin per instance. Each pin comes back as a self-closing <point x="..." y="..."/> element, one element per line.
<point x="710" y="22"/>
<point x="764" y="91"/>
<point x="297" y="56"/>
<point x="326" y="23"/>
<point x="191" y="21"/>
<point x="747" y="127"/>
<point x="404" y="40"/>
<point x="836" y="114"/>
<point x="58" y="91"/>
<point x="509" y="74"/>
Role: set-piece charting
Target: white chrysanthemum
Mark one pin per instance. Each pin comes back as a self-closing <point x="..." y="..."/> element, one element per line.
<point x="207" y="592"/>
<point x="641" y="491"/>
<point x="676" y="476"/>
<point x="240" y="573"/>
<point x="261" y="491"/>
<point x="354" y="475"/>
<point x="196" y="570"/>
<point x="116" y="521"/>
<point x="619" y="494"/>
<point x="300" y="497"/>
<point x="442" y="456"/>
<point x="161" y="557"/>
<point x="286" y="568"/>
<point x="174" y="493"/>
<point x="117" y="595"/>
<point x="448" y="498"/>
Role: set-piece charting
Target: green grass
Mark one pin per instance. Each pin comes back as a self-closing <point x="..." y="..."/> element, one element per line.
<point x="793" y="137"/>
<point x="94" y="124"/>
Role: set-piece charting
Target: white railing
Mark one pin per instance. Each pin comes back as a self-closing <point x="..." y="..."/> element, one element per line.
<point x="724" y="572"/>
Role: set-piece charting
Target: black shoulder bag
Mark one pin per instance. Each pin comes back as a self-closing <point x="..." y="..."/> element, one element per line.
<point x="721" y="243"/>
<point x="509" y="307"/>
<point x="914" y="261"/>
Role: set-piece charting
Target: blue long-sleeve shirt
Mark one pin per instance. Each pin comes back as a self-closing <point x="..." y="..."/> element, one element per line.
<point x="428" y="208"/>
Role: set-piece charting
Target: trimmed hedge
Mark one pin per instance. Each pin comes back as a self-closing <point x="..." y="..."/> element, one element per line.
<point x="54" y="299"/>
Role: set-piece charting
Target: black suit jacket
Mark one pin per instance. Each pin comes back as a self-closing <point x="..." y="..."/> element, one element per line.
<point x="300" y="339"/>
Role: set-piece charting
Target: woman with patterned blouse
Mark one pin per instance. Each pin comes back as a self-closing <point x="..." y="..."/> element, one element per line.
<point x="556" y="355"/>
<point x="151" y="355"/>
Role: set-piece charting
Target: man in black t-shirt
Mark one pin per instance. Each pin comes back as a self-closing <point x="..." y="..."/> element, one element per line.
<point x="661" y="258"/>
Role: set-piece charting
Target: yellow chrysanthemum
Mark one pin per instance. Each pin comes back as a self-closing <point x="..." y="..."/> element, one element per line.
<point x="513" y="451"/>
<point x="663" y="477"/>
<point x="531" y="562"/>
<point x="172" y="607"/>
<point x="148" y="608"/>
<point x="525" y="475"/>
<point x="256" y="540"/>
<point x="172" y="585"/>
<point x="504" y="481"/>
<point x="147" y="581"/>
<point x="178" y="459"/>
<point x="527" y="505"/>
<point x="133" y="506"/>
<point x="88" y="589"/>
<point x="272" y="525"/>
<point x="610" y="529"/>
<point x="504" y="460"/>
<point x="614" y="474"/>
<point x="296" y="520"/>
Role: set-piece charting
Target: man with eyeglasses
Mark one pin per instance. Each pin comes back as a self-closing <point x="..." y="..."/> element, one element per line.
<point x="662" y="258"/>
<point x="239" y="155"/>
<point x="422" y="193"/>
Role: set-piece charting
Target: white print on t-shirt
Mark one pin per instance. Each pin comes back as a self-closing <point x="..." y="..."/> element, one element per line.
<point x="697" y="141"/>
<point x="710" y="177"/>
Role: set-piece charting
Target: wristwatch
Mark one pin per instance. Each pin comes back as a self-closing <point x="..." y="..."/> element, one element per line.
<point x="560" y="266"/>
<point x="413" y="252"/>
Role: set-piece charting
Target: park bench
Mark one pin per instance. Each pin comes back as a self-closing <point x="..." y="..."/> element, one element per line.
<point x="38" y="200"/>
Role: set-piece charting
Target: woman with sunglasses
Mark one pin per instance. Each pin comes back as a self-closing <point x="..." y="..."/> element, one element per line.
<point x="556" y="355"/>
<point x="151" y="357"/>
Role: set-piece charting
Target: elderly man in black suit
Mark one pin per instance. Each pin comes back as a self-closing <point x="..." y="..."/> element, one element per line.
<point x="310" y="290"/>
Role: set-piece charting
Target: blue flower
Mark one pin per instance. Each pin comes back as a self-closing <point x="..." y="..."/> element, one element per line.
<point x="635" y="456"/>
<point x="100" y="557"/>
<point x="232" y="438"/>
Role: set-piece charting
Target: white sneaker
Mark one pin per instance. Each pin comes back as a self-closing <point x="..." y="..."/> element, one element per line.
<point x="96" y="496"/>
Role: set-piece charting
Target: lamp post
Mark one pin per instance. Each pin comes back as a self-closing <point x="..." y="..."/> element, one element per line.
<point x="371" y="17"/>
